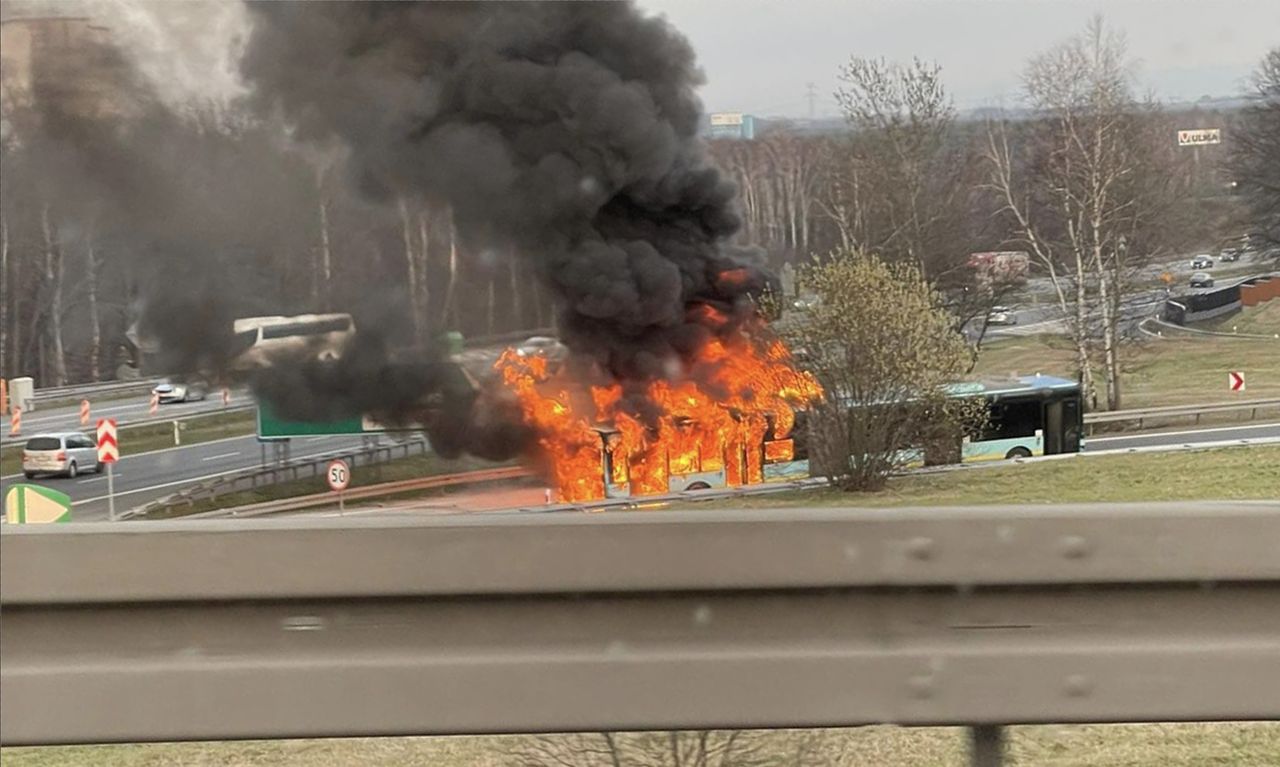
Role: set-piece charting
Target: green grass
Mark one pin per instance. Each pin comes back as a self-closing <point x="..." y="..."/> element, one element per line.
<point x="1221" y="474"/>
<point x="1168" y="371"/>
<point x="1263" y="319"/>
<point x="392" y="471"/>
<point x="1152" y="745"/>
<point x="141" y="439"/>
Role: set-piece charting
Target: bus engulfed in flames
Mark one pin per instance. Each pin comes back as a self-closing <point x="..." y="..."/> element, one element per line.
<point x="719" y="424"/>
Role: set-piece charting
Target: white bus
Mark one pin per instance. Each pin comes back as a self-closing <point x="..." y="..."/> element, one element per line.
<point x="261" y="338"/>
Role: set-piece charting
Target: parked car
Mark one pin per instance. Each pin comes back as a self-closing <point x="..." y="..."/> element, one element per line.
<point x="543" y="346"/>
<point x="169" y="391"/>
<point x="1001" y="315"/>
<point x="1202" y="261"/>
<point x="68" y="453"/>
<point x="1201" y="280"/>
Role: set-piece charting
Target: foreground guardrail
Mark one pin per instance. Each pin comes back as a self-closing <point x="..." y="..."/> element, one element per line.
<point x="632" y="621"/>
<point x="1143" y="415"/>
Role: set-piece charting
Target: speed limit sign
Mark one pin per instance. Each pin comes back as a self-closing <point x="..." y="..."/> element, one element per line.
<point x="338" y="474"/>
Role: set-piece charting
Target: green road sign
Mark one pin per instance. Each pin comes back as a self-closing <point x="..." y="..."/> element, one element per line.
<point x="271" y="426"/>
<point x="32" y="504"/>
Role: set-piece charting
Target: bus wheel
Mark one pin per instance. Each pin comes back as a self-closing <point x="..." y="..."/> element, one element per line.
<point x="1018" y="452"/>
<point x="698" y="486"/>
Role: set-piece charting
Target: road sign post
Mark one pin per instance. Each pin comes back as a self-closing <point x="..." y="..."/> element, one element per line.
<point x="1235" y="380"/>
<point x="109" y="453"/>
<point x="338" y="475"/>
<point x="84" y="412"/>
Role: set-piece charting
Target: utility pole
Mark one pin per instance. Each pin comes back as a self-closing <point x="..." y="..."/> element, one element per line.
<point x="811" y="93"/>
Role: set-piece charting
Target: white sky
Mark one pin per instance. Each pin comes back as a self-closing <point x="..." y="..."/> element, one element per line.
<point x="759" y="55"/>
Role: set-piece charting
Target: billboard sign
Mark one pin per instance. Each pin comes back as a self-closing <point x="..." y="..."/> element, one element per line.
<point x="719" y="119"/>
<point x="1200" y="137"/>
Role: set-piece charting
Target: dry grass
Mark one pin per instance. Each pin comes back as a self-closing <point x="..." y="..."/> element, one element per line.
<point x="1263" y="319"/>
<point x="1243" y="744"/>
<point x="1236" y="473"/>
<point x="1169" y="371"/>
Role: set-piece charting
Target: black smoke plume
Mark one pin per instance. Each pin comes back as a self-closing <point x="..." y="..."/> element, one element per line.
<point x="564" y="131"/>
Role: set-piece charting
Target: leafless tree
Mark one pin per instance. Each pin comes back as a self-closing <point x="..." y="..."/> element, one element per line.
<point x="1080" y="187"/>
<point x="1256" y="159"/>
<point x="696" y="748"/>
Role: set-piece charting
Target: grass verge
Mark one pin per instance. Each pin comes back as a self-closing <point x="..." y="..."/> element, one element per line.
<point x="156" y="436"/>
<point x="1168" y="371"/>
<point x="1236" y="473"/>
<point x="1263" y="319"/>
<point x="392" y="471"/>
<point x="1150" y="745"/>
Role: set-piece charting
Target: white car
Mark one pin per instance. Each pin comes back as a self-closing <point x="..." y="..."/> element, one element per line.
<point x="167" y="392"/>
<point x="1001" y="315"/>
<point x="68" y="453"/>
<point x="543" y="346"/>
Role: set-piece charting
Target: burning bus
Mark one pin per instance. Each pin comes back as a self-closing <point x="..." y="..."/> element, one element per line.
<point x="728" y="422"/>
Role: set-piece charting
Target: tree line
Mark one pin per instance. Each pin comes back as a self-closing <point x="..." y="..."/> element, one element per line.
<point x="203" y="201"/>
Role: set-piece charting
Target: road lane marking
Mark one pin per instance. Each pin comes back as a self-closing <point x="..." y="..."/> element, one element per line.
<point x="1163" y="434"/>
<point x="189" y="480"/>
<point x="97" y="479"/>
<point x="220" y="457"/>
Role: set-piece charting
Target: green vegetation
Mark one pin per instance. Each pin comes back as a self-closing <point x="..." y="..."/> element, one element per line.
<point x="1220" y="474"/>
<point x="1151" y="745"/>
<point x="157" y="436"/>
<point x="392" y="471"/>
<point x="1167" y="371"/>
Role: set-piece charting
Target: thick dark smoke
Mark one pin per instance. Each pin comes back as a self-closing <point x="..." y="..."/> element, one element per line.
<point x="566" y="131"/>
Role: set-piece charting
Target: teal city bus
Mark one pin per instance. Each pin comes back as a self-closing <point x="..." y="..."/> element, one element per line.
<point x="1026" y="416"/>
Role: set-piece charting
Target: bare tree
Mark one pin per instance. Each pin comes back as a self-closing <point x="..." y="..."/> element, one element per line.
<point x="695" y="748"/>
<point x="54" y="273"/>
<point x="1256" y="156"/>
<point x="1080" y="189"/>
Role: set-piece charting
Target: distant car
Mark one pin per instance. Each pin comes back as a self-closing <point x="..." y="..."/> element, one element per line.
<point x="1202" y="262"/>
<point x="67" y="453"/>
<point x="168" y="391"/>
<point x="1001" y="315"/>
<point x="1229" y="254"/>
<point x="543" y="346"/>
<point x="1201" y="280"/>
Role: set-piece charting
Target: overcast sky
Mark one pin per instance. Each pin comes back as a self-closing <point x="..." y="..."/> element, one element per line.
<point x="759" y="55"/>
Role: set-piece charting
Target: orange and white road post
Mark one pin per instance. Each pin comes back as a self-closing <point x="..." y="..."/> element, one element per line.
<point x="109" y="453"/>
<point x="155" y="404"/>
<point x="15" y="422"/>
<point x="84" y="412"/>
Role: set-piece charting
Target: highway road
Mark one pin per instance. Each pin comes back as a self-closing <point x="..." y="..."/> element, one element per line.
<point x="146" y="476"/>
<point x="125" y="410"/>
<point x="143" y="477"/>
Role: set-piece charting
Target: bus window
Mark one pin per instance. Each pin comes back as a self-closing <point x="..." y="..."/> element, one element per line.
<point x="1009" y="420"/>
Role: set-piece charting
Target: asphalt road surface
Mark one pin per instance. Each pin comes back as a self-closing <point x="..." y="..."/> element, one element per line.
<point x="125" y="410"/>
<point x="144" y="477"/>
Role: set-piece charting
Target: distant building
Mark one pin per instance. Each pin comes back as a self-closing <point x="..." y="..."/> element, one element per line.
<point x="730" y="125"/>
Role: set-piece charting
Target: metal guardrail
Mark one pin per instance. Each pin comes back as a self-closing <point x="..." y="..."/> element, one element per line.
<point x="284" y="471"/>
<point x="1142" y="415"/>
<point x="123" y="426"/>
<point x="300" y="503"/>
<point x="84" y="390"/>
<point x="228" y="629"/>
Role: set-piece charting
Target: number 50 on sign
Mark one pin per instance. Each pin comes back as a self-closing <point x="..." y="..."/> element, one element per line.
<point x="338" y="474"/>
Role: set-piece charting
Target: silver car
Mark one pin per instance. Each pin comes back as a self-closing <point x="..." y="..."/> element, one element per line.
<point x="169" y="391"/>
<point x="68" y="453"/>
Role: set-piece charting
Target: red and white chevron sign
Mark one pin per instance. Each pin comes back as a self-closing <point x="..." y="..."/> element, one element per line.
<point x="108" y="447"/>
<point x="1235" y="380"/>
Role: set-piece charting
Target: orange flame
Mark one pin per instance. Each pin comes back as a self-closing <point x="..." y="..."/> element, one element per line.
<point x="712" y="420"/>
